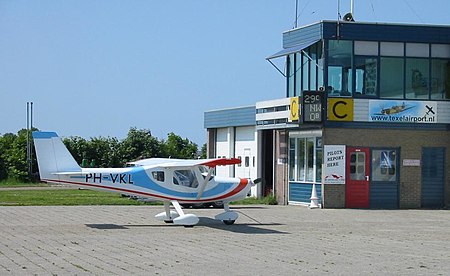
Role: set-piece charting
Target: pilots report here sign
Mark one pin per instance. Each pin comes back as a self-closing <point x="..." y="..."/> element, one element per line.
<point x="334" y="164"/>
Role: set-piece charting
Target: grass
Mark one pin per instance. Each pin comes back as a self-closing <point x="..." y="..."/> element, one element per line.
<point x="11" y="183"/>
<point x="58" y="197"/>
<point x="63" y="197"/>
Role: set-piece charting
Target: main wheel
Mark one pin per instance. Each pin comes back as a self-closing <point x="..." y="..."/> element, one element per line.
<point x="217" y="204"/>
<point x="229" y="222"/>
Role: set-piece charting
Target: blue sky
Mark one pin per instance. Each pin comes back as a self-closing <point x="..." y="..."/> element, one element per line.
<point x="97" y="68"/>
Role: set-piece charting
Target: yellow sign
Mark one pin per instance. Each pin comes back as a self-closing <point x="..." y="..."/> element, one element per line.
<point x="294" y="114"/>
<point x="340" y="109"/>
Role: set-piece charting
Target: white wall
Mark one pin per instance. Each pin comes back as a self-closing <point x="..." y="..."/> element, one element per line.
<point x="244" y="147"/>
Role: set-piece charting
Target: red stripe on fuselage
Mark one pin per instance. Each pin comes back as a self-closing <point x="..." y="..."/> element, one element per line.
<point x="242" y="184"/>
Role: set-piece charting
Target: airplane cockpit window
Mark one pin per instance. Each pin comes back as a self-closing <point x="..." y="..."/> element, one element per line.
<point x="185" y="178"/>
<point x="158" y="176"/>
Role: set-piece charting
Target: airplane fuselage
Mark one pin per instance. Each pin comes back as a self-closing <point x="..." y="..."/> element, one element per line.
<point x="158" y="183"/>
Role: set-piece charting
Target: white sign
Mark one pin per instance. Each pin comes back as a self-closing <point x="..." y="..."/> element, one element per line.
<point x="334" y="164"/>
<point x="411" y="162"/>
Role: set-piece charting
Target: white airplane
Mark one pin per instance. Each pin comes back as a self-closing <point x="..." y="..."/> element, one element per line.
<point x="172" y="181"/>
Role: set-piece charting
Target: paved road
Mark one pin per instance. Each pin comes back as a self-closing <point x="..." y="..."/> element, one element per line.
<point x="266" y="240"/>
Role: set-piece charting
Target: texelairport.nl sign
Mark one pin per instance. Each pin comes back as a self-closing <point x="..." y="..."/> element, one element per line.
<point x="398" y="111"/>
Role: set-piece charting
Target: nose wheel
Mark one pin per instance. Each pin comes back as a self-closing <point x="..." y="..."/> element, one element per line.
<point x="229" y="222"/>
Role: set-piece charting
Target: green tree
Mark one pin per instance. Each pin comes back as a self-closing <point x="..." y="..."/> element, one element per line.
<point x="5" y="143"/>
<point x="78" y="147"/>
<point x="204" y="154"/>
<point x="177" y="147"/>
<point x="14" y="155"/>
<point x="101" y="152"/>
<point x="140" y="144"/>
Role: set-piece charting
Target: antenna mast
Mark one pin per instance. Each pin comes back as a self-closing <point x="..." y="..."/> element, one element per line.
<point x="352" y="9"/>
<point x="338" y="18"/>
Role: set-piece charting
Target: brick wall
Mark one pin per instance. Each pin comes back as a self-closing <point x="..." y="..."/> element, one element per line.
<point x="333" y="196"/>
<point x="281" y="167"/>
<point x="410" y="143"/>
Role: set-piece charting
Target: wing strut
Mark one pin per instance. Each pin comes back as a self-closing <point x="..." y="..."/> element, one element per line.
<point x="202" y="187"/>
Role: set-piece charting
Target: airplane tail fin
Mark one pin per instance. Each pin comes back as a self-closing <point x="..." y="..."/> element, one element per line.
<point x="52" y="156"/>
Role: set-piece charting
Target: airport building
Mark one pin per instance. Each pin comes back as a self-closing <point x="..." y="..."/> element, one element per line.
<point x="364" y="118"/>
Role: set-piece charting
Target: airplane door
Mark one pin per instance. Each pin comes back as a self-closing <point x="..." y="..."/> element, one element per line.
<point x="357" y="175"/>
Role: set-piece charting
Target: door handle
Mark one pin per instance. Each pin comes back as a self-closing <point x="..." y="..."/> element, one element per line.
<point x="367" y="178"/>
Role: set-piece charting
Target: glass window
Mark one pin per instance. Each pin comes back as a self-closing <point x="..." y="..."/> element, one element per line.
<point x="319" y="165"/>
<point x="440" y="79"/>
<point x="391" y="77"/>
<point x="301" y="172"/>
<point x="340" y="53"/>
<point x="185" y="178"/>
<point x="417" y="78"/>
<point x="310" y="160"/>
<point x="320" y="71"/>
<point x="358" y="166"/>
<point x="298" y="73"/>
<point x="313" y="67"/>
<point x="291" y="75"/>
<point x="393" y="49"/>
<point x="158" y="176"/>
<point x="366" y="73"/>
<point x="417" y="50"/>
<point x="291" y="159"/>
<point x="305" y="160"/>
<point x="384" y="165"/>
<point x="366" y="48"/>
<point x="305" y="64"/>
<point x="440" y="51"/>
<point x="247" y="161"/>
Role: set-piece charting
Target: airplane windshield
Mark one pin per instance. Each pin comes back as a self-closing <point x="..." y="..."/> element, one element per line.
<point x="185" y="178"/>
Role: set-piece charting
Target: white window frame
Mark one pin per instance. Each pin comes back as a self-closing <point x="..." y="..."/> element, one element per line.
<point x="304" y="135"/>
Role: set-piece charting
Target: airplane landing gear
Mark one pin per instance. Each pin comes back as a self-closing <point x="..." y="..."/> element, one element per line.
<point x="228" y="217"/>
<point x="229" y="222"/>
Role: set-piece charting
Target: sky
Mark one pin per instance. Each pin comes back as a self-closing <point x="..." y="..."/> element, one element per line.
<point x="99" y="67"/>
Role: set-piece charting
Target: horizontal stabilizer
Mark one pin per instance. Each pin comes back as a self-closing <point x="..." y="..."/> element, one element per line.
<point x="71" y="173"/>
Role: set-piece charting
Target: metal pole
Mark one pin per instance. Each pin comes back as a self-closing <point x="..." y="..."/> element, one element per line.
<point x="31" y="140"/>
<point x="352" y="7"/>
<point x="296" y="13"/>
<point x="28" y="138"/>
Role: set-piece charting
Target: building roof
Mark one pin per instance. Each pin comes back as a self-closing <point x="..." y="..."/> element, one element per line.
<point x="368" y="31"/>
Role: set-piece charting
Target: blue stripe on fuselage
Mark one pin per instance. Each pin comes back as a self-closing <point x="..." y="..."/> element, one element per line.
<point x="141" y="179"/>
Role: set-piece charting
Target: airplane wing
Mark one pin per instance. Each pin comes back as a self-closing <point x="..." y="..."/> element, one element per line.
<point x="220" y="162"/>
<point x="168" y="162"/>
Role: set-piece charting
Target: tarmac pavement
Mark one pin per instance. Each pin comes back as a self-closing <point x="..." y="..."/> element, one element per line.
<point x="265" y="240"/>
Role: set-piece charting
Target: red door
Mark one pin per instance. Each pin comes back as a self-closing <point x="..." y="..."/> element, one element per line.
<point x="357" y="178"/>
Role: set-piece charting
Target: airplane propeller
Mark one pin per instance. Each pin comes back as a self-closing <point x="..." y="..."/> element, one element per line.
<point x="257" y="180"/>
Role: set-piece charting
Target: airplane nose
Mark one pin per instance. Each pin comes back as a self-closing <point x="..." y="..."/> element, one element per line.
<point x="243" y="181"/>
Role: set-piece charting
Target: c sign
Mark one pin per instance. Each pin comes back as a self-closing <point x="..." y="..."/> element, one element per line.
<point x="340" y="109"/>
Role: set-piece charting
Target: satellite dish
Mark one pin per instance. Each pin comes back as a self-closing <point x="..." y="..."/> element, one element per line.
<point x="349" y="17"/>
